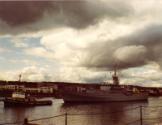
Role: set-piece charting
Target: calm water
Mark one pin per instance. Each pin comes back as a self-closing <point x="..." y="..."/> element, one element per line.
<point x="101" y="113"/>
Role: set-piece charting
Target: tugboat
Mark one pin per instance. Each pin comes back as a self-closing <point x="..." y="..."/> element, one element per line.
<point x="20" y="98"/>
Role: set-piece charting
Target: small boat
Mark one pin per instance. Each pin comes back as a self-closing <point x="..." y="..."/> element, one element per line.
<point x="20" y="99"/>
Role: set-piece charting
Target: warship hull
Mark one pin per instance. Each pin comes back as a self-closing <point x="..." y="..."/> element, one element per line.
<point x="103" y="97"/>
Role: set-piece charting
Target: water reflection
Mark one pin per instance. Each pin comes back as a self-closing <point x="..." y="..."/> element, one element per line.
<point x="103" y="113"/>
<point x="79" y="113"/>
<point x="17" y="113"/>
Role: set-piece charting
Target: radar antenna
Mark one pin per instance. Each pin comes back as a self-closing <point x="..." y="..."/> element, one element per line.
<point x="115" y="77"/>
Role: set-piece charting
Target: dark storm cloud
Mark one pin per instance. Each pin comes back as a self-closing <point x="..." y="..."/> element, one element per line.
<point x="82" y="14"/>
<point x="137" y="49"/>
<point x="16" y="13"/>
<point x="26" y="16"/>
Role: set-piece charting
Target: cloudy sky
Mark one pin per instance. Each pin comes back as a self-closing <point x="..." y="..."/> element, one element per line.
<point x="82" y="41"/>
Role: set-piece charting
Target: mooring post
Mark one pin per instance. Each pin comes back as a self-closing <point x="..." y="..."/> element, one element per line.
<point x="66" y="118"/>
<point x="141" y="120"/>
<point x="25" y="121"/>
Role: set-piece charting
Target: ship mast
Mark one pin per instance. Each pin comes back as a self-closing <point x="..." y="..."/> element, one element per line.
<point x="20" y="78"/>
<point x="115" y="77"/>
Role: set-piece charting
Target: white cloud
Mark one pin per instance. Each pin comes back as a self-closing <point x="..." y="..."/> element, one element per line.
<point x="68" y="45"/>
<point x="31" y="73"/>
<point x="63" y="74"/>
<point x="35" y="74"/>
<point x="39" y="51"/>
<point x="148" y="75"/>
<point x="27" y="62"/>
<point x="2" y="50"/>
<point x="142" y="76"/>
<point x="130" y="54"/>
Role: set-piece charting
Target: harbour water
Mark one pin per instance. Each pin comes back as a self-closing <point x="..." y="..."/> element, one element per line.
<point x="118" y="113"/>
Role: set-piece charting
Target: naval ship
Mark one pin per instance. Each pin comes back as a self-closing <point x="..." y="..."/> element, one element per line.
<point x="106" y="93"/>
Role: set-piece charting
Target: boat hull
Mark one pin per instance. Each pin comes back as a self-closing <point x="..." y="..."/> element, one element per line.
<point x="104" y="97"/>
<point x="13" y="102"/>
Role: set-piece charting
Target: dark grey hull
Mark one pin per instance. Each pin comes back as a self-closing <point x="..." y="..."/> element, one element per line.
<point x="13" y="102"/>
<point x="103" y="97"/>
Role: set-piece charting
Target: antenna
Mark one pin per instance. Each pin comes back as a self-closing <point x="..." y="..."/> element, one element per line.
<point x="115" y="73"/>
